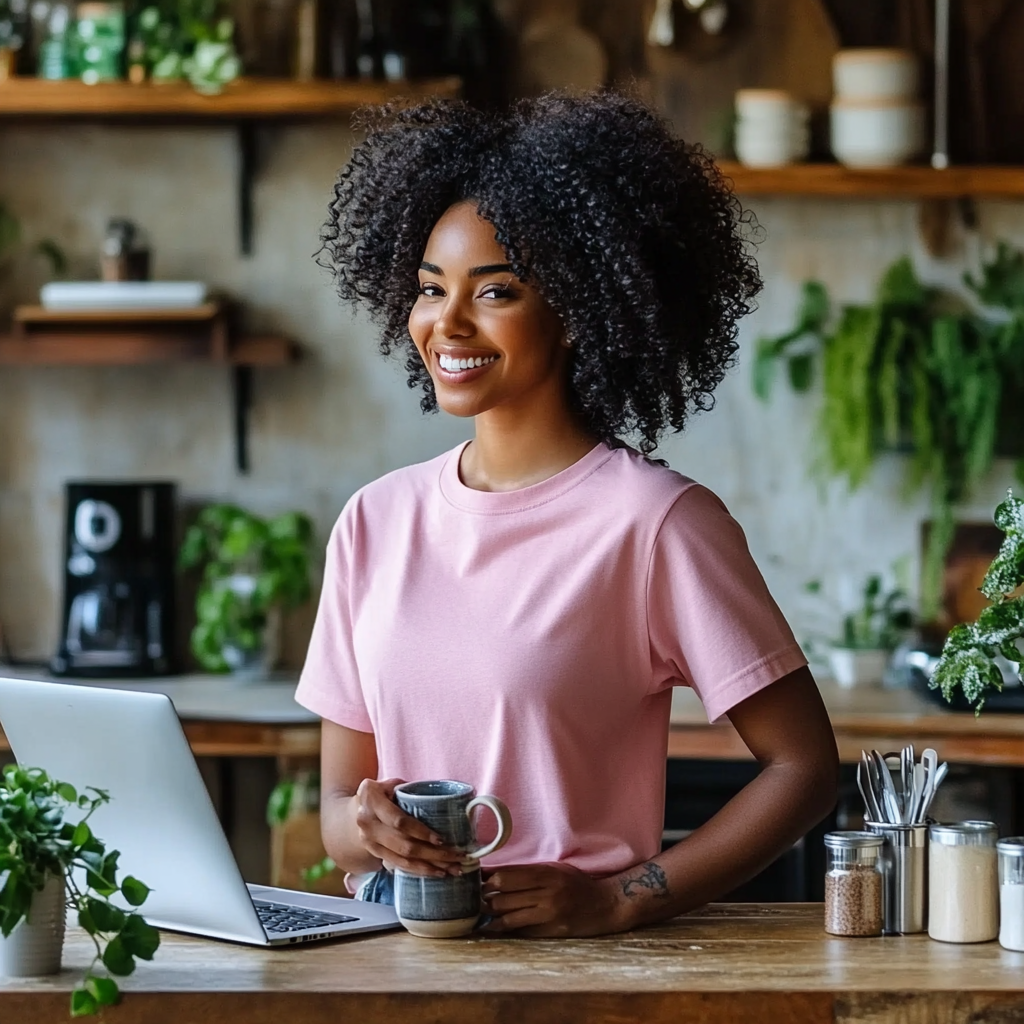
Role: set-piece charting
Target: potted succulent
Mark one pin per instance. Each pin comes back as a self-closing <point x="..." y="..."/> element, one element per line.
<point x="975" y="654"/>
<point x="253" y="569"/>
<point x="860" y="655"/>
<point x="48" y="864"/>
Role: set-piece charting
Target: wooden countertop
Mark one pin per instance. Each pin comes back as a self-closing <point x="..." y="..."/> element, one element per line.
<point x="728" y="963"/>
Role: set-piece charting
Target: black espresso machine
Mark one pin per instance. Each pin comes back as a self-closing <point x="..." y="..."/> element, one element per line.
<point x="119" y="558"/>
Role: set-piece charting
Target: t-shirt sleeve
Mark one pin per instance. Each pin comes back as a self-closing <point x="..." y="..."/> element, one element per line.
<point x="329" y="684"/>
<point x="713" y="624"/>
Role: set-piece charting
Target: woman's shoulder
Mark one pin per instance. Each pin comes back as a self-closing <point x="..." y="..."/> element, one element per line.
<point x="397" y="491"/>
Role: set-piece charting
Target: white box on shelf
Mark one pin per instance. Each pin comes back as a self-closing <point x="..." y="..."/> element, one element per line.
<point x="86" y="296"/>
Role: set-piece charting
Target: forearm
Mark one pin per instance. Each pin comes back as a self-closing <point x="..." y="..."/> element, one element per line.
<point x="761" y="822"/>
<point x="341" y="835"/>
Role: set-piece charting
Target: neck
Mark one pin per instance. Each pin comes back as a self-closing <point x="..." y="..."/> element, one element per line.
<point x="509" y="453"/>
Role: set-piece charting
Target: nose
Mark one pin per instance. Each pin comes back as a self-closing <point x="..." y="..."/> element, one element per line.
<point x="453" y="319"/>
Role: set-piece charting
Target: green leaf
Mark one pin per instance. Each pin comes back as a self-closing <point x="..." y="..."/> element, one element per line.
<point x="134" y="891"/>
<point x="67" y="792"/>
<point x="82" y="834"/>
<point x="117" y="959"/>
<point x="106" y="917"/>
<point x="900" y="286"/>
<point x="83" y="1003"/>
<point x="801" y="371"/>
<point x="280" y="802"/>
<point x="103" y="990"/>
<point x="139" y="938"/>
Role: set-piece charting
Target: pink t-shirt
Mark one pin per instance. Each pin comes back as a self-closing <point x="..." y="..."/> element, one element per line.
<point x="527" y="641"/>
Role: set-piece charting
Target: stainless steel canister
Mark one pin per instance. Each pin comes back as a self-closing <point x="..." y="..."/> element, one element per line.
<point x="904" y="865"/>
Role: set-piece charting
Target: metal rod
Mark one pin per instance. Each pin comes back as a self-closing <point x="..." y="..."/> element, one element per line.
<point x="940" y="142"/>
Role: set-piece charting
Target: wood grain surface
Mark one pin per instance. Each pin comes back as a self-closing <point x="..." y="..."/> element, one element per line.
<point x="245" y="98"/>
<point x="731" y="962"/>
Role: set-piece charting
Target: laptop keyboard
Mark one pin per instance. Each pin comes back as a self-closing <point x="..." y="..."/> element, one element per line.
<point x="278" y="918"/>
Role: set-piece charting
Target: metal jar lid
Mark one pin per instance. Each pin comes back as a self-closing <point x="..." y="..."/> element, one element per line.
<point x="1012" y="846"/>
<point x="853" y="840"/>
<point x="964" y="833"/>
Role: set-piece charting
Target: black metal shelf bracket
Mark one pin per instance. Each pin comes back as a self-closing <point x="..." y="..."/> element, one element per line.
<point x="241" y="380"/>
<point x="248" y="158"/>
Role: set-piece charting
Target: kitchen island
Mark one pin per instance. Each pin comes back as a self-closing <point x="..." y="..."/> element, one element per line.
<point x="725" y="964"/>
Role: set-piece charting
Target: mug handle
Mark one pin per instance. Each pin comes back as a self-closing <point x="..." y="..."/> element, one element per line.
<point x="500" y="811"/>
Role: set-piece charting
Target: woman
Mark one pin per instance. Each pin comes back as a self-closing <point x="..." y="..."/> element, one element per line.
<point x="515" y="612"/>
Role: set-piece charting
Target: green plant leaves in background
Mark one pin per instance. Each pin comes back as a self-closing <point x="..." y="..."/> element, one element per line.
<point x="228" y="542"/>
<point x="916" y="371"/>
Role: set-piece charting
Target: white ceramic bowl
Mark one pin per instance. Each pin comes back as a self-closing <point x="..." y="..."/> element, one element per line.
<point x="875" y="74"/>
<point x="768" y="104"/>
<point x="876" y="134"/>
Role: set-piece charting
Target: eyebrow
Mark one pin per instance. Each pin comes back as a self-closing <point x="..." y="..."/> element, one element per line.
<point x="490" y="268"/>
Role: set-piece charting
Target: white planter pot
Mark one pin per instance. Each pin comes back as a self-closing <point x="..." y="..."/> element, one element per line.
<point x="34" y="947"/>
<point x="852" y="667"/>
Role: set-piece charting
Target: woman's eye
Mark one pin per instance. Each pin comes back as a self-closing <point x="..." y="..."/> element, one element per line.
<point x="497" y="291"/>
<point x="431" y="290"/>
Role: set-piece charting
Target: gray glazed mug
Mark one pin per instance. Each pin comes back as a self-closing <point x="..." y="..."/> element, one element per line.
<point x="444" y="908"/>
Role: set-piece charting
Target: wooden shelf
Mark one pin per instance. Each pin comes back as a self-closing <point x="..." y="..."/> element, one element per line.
<point x="909" y="182"/>
<point x="247" y="98"/>
<point x="140" y="349"/>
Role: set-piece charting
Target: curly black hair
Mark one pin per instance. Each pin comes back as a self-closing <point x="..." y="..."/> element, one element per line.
<point x="629" y="233"/>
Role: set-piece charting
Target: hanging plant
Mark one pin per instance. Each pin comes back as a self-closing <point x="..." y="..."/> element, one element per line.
<point x="918" y="371"/>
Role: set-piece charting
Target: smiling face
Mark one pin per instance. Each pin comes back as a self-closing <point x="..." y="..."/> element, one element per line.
<point x="490" y="342"/>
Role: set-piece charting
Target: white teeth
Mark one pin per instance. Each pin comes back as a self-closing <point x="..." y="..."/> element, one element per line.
<point x="454" y="365"/>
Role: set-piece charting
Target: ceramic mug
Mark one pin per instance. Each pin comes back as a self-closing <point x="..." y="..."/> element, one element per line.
<point x="443" y="908"/>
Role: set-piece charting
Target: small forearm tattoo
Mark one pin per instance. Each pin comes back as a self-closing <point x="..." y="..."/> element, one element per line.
<point x="649" y="879"/>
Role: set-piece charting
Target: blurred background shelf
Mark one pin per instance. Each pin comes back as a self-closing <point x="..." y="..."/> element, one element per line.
<point x="909" y="182"/>
<point x="252" y="98"/>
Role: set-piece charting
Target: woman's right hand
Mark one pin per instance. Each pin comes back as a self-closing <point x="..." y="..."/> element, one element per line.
<point x="398" y="839"/>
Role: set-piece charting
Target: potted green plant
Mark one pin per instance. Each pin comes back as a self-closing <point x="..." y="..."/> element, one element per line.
<point x="49" y="863"/>
<point x="253" y="569"/>
<point x="870" y="633"/>
<point x="975" y="654"/>
<point x="921" y="371"/>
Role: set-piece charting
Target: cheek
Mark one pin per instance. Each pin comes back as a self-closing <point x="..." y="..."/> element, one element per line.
<point x="420" y="325"/>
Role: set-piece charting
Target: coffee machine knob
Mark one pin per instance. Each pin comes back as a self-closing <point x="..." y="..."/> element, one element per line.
<point x="97" y="525"/>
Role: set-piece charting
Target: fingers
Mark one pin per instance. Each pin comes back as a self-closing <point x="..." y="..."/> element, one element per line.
<point x="515" y="879"/>
<point x="391" y="835"/>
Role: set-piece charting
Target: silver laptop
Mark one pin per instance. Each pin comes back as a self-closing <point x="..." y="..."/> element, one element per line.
<point x="160" y="815"/>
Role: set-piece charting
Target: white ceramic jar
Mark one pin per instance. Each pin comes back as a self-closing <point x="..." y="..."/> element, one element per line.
<point x="876" y="133"/>
<point x="771" y="128"/>
<point x="875" y="74"/>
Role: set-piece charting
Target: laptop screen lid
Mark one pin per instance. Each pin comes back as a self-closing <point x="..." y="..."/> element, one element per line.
<point x="160" y="815"/>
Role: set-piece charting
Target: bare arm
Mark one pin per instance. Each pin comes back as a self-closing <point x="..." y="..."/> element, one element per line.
<point x="362" y="827"/>
<point x="786" y="728"/>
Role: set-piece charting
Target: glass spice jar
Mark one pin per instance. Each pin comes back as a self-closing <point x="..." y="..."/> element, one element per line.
<point x="963" y="882"/>
<point x="1011" y="892"/>
<point x="853" y="883"/>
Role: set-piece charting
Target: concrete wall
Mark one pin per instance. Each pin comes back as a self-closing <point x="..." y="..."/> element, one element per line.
<point x="344" y="416"/>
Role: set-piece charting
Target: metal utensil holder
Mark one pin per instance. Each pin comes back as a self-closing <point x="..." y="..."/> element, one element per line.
<point x="905" y="877"/>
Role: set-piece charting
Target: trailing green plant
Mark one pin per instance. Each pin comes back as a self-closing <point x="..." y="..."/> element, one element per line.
<point x="968" y="660"/>
<point x="921" y="371"/>
<point x="269" y="558"/>
<point x="36" y="841"/>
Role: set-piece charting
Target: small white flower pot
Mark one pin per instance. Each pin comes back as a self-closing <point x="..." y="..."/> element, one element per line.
<point x="851" y="667"/>
<point x="34" y="947"/>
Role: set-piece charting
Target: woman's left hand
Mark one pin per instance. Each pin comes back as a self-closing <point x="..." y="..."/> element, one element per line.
<point x="551" y="901"/>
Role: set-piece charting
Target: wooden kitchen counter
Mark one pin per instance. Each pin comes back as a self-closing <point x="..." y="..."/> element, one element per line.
<point x="727" y="964"/>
